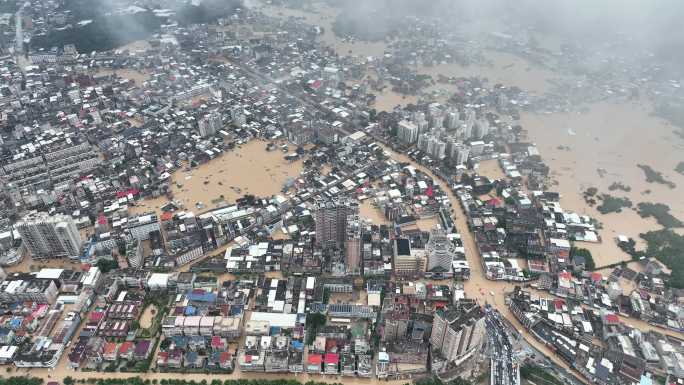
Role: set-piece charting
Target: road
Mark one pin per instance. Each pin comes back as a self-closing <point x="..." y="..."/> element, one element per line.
<point x="504" y="368"/>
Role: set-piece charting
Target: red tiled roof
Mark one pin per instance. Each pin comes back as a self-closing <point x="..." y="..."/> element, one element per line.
<point x="558" y="303"/>
<point x="110" y="348"/>
<point x="216" y="341"/>
<point x="125" y="347"/>
<point x="315" y="358"/>
<point x="96" y="316"/>
<point x="331" y="358"/>
<point x="612" y="318"/>
<point x="225" y="356"/>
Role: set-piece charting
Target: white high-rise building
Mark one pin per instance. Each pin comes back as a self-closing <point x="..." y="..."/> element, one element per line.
<point x="482" y="128"/>
<point x="439" y="151"/>
<point x="457" y="334"/>
<point x="462" y="152"/>
<point x="418" y="116"/>
<point x="452" y="121"/>
<point x="209" y="124"/>
<point x="407" y="132"/>
<point x="469" y="123"/>
<point x="422" y="126"/>
<point x="441" y="252"/>
<point x="436" y="120"/>
<point x="423" y="140"/>
<point x="46" y="236"/>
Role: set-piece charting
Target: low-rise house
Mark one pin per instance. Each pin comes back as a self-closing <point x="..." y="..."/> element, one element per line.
<point x="142" y="350"/>
<point x="313" y="363"/>
<point x="193" y="360"/>
<point x="110" y="352"/>
<point x="126" y="350"/>
<point x="331" y="363"/>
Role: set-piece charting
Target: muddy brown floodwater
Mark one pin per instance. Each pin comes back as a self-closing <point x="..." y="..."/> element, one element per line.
<point x="504" y="68"/>
<point x="248" y="169"/>
<point x="139" y="77"/>
<point x="491" y="169"/>
<point x="369" y="211"/>
<point x="613" y="137"/>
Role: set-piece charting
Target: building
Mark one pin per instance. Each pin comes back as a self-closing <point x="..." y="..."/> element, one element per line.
<point x="134" y="253"/>
<point x="46" y="236"/>
<point x="331" y="222"/>
<point x="457" y="151"/>
<point x="432" y="145"/>
<point x="210" y="124"/>
<point x="407" y="132"/>
<point x="141" y="226"/>
<point x="59" y="163"/>
<point x="441" y="253"/>
<point x="407" y="261"/>
<point x="21" y="288"/>
<point x="353" y="245"/>
<point x="458" y="333"/>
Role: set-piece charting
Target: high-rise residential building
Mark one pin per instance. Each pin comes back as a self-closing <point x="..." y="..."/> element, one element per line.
<point x="210" y="124"/>
<point x="49" y="236"/>
<point x="440" y="254"/>
<point x="406" y="260"/>
<point x="459" y="332"/>
<point x="331" y="221"/>
<point x="423" y="140"/>
<point x="134" y="253"/>
<point x="407" y="132"/>
<point x="477" y="148"/>
<point x="436" y="119"/>
<point x="481" y="128"/>
<point x="432" y="145"/>
<point x="353" y="245"/>
<point x="469" y="123"/>
<point x="452" y="120"/>
<point x="417" y="115"/>
<point x="438" y="149"/>
<point x="461" y="154"/>
<point x="237" y="114"/>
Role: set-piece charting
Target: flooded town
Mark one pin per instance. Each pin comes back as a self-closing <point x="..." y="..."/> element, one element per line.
<point x="316" y="191"/>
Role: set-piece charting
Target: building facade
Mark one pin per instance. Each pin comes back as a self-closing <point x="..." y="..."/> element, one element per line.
<point x="331" y="222"/>
<point x="46" y="236"/>
<point x="458" y="333"/>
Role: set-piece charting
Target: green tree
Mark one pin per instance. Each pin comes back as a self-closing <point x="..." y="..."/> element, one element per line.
<point x="589" y="263"/>
<point x="107" y="265"/>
